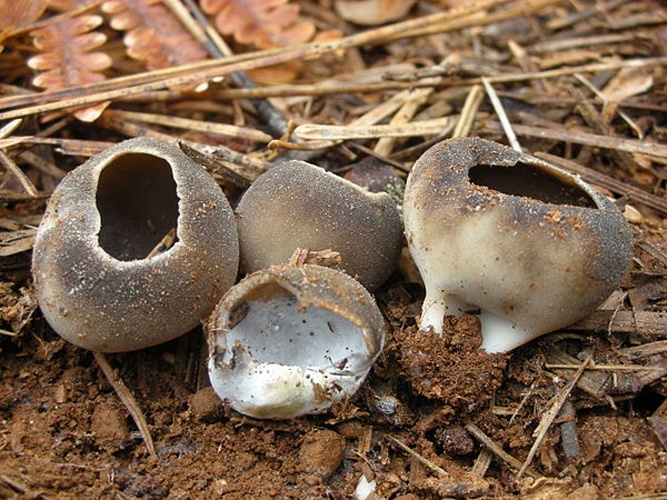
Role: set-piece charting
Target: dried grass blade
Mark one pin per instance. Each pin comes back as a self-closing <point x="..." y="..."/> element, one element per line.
<point x="189" y="124"/>
<point x="347" y="132"/>
<point x="585" y="138"/>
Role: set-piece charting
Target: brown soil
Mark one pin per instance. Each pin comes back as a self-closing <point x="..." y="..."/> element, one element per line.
<point x="66" y="434"/>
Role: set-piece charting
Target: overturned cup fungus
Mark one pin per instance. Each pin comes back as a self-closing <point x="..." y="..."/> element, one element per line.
<point x="292" y="340"/>
<point x="529" y="246"/>
<point x="103" y="277"/>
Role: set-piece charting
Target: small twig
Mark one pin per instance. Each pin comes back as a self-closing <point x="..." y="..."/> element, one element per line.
<point x="482" y="462"/>
<point x="11" y="166"/>
<point x="18" y="482"/>
<point x="554" y="45"/>
<point x="405" y="114"/>
<point x="653" y="252"/>
<point x="523" y="401"/>
<point x="494" y="448"/>
<point x="128" y="400"/>
<point x="502" y="116"/>
<point x="229" y="172"/>
<point x="612" y="368"/>
<point x="468" y="112"/>
<point x="590" y="86"/>
<point x="165" y="244"/>
<point x="438" y="470"/>
<point x="18" y="174"/>
<point x="568" y="430"/>
<point x="550" y="415"/>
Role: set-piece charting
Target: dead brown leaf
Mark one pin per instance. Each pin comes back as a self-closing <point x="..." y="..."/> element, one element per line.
<point x="15" y="13"/>
<point x="154" y="34"/>
<point x="263" y="23"/>
<point x="68" y="58"/>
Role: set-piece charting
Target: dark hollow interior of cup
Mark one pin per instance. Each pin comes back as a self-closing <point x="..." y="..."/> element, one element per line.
<point x="138" y="205"/>
<point x="530" y="182"/>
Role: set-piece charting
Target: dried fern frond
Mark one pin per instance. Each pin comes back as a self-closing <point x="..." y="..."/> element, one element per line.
<point x="14" y="14"/>
<point x="154" y="34"/>
<point x="263" y="23"/>
<point x="68" y="58"/>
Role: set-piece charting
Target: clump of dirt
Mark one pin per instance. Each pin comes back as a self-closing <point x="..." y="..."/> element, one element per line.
<point x="450" y="368"/>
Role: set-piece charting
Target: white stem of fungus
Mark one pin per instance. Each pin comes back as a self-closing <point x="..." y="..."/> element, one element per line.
<point x="500" y="334"/>
<point x="436" y="306"/>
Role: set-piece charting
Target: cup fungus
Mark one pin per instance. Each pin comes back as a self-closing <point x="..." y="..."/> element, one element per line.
<point x="532" y="246"/>
<point x="291" y="340"/>
<point x="94" y="279"/>
<point x="298" y="205"/>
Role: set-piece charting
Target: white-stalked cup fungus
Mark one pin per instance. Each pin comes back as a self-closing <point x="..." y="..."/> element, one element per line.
<point x="530" y="246"/>
<point x="102" y="279"/>
<point x="299" y="205"/>
<point x="292" y="340"/>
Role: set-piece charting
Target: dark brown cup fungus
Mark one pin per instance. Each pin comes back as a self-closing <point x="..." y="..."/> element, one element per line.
<point x="298" y="205"/>
<point x="94" y="280"/>
<point x="291" y="340"/>
<point x="532" y="246"/>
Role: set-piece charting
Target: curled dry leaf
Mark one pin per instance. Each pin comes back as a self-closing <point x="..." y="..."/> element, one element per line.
<point x="154" y="34"/>
<point x="15" y="13"/>
<point x="68" y="58"/>
<point x="264" y="23"/>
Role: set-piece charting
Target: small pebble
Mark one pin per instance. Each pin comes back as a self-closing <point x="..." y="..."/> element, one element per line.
<point x="322" y="452"/>
<point x="206" y="405"/>
<point x="454" y="440"/>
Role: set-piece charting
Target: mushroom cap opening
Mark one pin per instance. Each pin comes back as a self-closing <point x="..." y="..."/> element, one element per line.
<point x="530" y="181"/>
<point x="93" y="279"/>
<point x="138" y="205"/>
<point x="533" y="246"/>
<point x="275" y="328"/>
